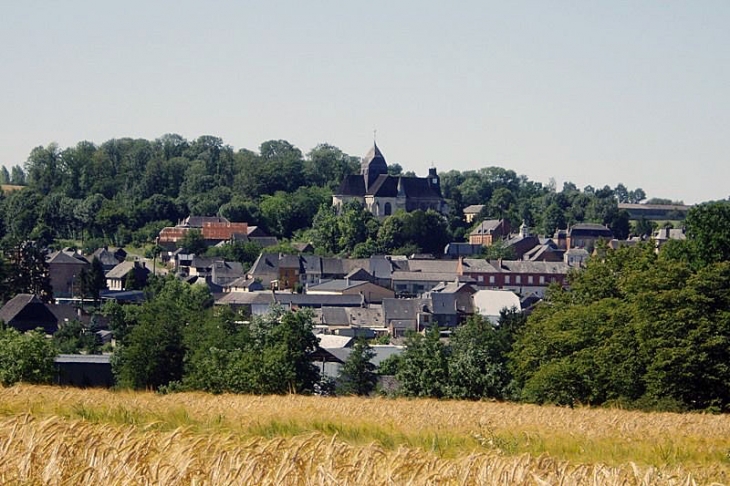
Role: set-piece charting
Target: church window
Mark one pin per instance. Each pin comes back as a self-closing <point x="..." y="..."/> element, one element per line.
<point x="388" y="210"/>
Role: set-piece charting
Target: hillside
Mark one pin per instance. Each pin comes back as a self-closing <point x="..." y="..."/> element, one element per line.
<point x="63" y="436"/>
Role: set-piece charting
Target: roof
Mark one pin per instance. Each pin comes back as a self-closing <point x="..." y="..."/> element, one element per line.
<point x="486" y="227"/>
<point x="337" y="285"/>
<point x="246" y="298"/>
<point x="424" y="276"/>
<point x="17" y="304"/>
<point x="63" y="258"/>
<point x="589" y="229"/>
<point x="335" y="316"/>
<point x="103" y="359"/>
<point x="26" y="312"/>
<point x="198" y="221"/>
<point x="328" y="341"/>
<point x="491" y="302"/>
<point x="121" y="270"/>
<point x="400" y="309"/>
<point x="473" y="209"/>
<point x="128" y="296"/>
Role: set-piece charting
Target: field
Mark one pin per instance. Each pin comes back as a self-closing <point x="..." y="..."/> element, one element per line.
<point x="66" y="436"/>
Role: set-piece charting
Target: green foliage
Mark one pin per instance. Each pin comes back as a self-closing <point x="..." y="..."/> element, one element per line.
<point x="635" y="329"/>
<point x="193" y="242"/>
<point x="74" y="338"/>
<point x="708" y="228"/>
<point x="152" y="350"/>
<point x="271" y="354"/>
<point x="26" y="357"/>
<point x="423" y="369"/>
<point x="28" y="271"/>
<point x="357" y="376"/>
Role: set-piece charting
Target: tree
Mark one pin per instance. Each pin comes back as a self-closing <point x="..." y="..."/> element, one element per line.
<point x="25" y="357"/>
<point x="93" y="280"/>
<point x="423" y="369"/>
<point x="29" y="271"/>
<point x="153" y="350"/>
<point x="74" y="338"/>
<point x="193" y="242"/>
<point x="708" y="229"/>
<point x="357" y="376"/>
<point x="479" y="356"/>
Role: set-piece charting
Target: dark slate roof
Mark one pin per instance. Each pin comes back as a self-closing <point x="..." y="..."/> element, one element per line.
<point x="267" y="264"/>
<point x="374" y="159"/>
<point x="403" y="309"/>
<point x="335" y="316"/>
<point x="17" y="304"/>
<point x="61" y="257"/>
<point x="106" y="257"/>
<point x="419" y="187"/>
<point x="197" y="221"/>
<point x="26" y="312"/>
<point x="486" y="227"/>
<point x="590" y="229"/>
<point x="384" y="186"/>
<point x="352" y="185"/>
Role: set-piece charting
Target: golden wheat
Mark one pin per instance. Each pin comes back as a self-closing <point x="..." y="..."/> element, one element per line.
<point x="67" y="436"/>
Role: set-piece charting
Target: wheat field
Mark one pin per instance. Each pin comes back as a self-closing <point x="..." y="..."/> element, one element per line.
<point x="51" y="435"/>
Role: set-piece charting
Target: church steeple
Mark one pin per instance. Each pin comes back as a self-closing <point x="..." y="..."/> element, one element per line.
<point x="373" y="165"/>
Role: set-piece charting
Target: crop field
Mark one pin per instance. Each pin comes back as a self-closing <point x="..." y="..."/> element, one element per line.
<point x="51" y="435"/>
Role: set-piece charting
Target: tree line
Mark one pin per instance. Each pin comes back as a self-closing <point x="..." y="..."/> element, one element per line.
<point x="125" y="190"/>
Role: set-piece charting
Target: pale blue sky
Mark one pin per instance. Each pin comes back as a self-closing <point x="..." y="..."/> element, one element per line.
<point x="591" y="92"/>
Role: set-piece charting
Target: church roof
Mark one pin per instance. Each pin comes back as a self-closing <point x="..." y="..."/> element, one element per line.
<point x="374" y="156"/>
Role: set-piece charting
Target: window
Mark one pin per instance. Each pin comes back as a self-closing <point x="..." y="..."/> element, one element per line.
<point x="542" y="279"/>
<point x="506" y="279"/>
<point x="480" y="278"/>
<point x="518" y="279"/>
<point x="529" y="279"/>
<point x="491" y="279"/>
<point x="387" y="210"/>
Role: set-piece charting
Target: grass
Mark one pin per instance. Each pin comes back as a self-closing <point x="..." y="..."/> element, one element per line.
<point x="405" y="440"/>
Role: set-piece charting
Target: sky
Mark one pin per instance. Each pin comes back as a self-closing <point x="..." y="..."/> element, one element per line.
<point x="592" y="92"/>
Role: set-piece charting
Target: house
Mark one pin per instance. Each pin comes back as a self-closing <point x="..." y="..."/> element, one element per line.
<point x="471" y="212"/>
<point x="403" y="315"/>
<point x="26" y="312"/>
<point x="64" y="271"/>
<point x="586" y="235"/>
<point x="259" y="303"/>
<point x="489" y="232"/>
<point x="245" y="284"/>
<point x="109" y="259"/>
<point x="490" y="303"/>
<point x="116" y="278"/>
<point x="214" y="229"/>
<point x="368" y="290"/>
<point x="219" y="271"/>
<point x="351" y="321"/>
<point x="451" y="303"/>
<point x="383" y="194"/>
<point x="522" y="277"/>
<point x="576" y="257"/>
<point x="662" y="235"/>
<point x="546" y="251"/>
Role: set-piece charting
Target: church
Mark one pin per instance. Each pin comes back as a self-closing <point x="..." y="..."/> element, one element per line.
<point x="383" y="194"/>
